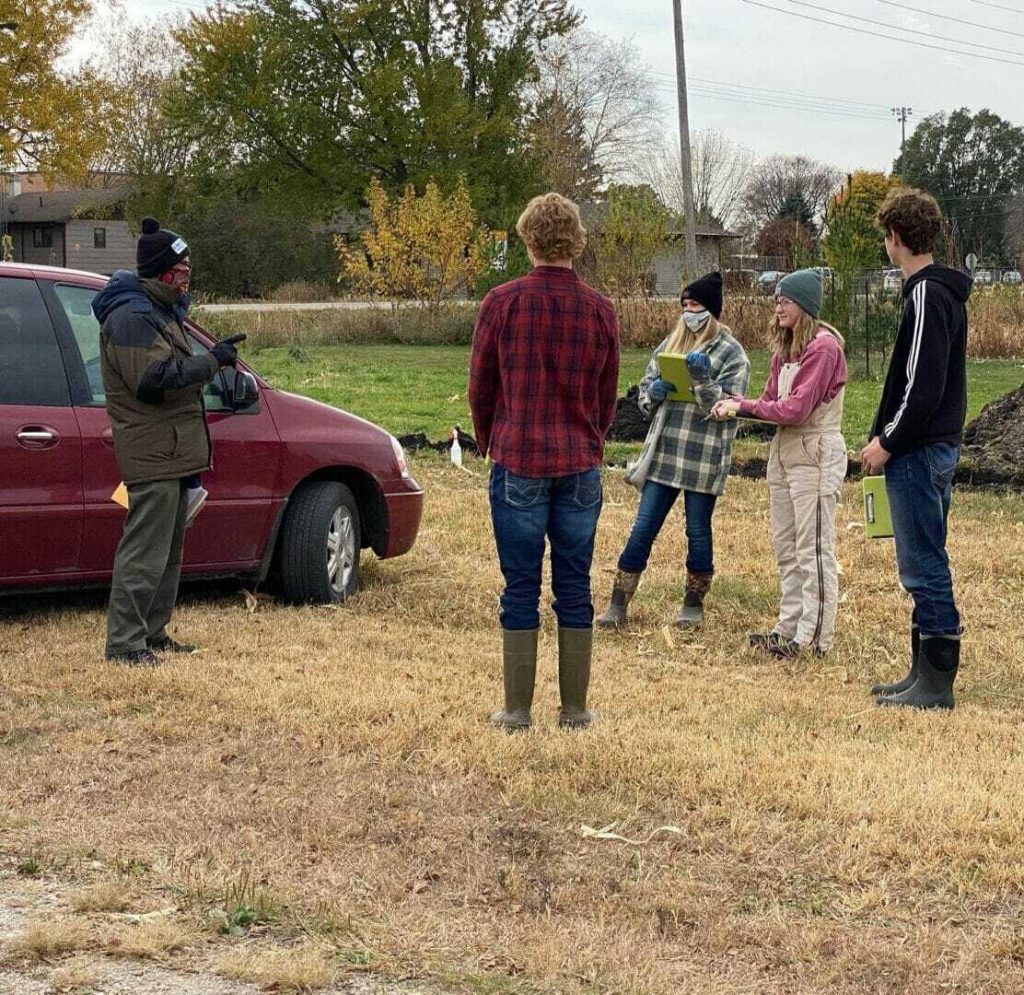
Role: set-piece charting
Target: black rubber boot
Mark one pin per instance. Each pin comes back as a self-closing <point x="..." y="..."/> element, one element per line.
<point x="622" y="593"/>
<point x="519" y="652"/>
<point x="878" y="690"/>
<point x="692" y="612"/>
<point x="937" y="665"/>
<point x="575" y="648"/>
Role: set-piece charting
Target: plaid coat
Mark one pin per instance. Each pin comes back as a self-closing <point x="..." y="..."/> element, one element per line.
<point x="694" y="453"/>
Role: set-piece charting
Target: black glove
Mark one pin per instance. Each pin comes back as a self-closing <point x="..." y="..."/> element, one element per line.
<point x="225" y="352"/>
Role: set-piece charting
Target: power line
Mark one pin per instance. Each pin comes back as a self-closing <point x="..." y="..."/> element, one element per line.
<point x="785" y="104"/>
<point x="998" y="6"/>
<point x="917" y="31"/>
<point x="949" y="17"/>
<point x="754" y="88"/>
<point x="879" y="34"/>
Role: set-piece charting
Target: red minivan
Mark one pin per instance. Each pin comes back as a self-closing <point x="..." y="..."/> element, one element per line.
<point x="297" y="489"/>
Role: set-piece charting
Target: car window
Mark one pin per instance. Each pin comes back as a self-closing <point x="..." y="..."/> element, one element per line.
<point x="214" y="391"/>
<point x="33" y="370"/>
<point x="77" y="305"/>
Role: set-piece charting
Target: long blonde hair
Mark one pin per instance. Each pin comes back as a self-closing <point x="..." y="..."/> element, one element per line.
<point x="682" y="340"/>
<point x="789" y="343"/>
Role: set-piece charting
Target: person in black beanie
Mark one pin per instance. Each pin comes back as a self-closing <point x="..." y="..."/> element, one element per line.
<point x="685" y="451"/>
<point x="154" y="392"/>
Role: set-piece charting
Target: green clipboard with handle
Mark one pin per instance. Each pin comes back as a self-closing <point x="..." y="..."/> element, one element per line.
<point x="672" y="367"/>
<point x="877" y="518"/>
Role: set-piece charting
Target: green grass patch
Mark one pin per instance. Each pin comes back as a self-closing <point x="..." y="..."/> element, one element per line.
<point x="409" y="388"/>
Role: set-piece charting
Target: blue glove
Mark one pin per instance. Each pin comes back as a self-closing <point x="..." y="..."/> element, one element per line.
<point x="699" y="365"/>
<point x="659" y="390"/>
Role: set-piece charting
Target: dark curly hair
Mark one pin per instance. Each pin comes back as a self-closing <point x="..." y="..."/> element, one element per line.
<point x="913" y="215"/>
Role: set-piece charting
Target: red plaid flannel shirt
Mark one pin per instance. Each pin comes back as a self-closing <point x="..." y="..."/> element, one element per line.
<point x="544" y="376"/>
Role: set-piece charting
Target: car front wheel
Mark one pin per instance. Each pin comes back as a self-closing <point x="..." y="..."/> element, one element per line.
<point x="320" y="544"/>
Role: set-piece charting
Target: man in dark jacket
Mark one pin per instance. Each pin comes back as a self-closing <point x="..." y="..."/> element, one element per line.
<point x="916" y="439"/>
<point x="154" y="387"/>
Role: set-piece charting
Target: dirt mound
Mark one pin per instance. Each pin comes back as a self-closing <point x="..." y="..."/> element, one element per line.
<point x="994" y="443"/>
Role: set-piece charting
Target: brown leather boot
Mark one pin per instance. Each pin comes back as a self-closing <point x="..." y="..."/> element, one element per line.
<point x="691" y="614"/>
<point x="622" y="593"/>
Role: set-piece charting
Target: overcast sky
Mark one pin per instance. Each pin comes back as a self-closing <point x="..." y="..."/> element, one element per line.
<point x="776" y="82"/>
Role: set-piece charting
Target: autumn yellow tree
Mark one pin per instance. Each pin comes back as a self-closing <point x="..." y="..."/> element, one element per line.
<point x="49" y="117"/>
<point x="426" y="248"/>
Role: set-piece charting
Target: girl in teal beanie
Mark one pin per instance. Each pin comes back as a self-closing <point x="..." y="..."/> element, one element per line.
<point x="806" y="465"/>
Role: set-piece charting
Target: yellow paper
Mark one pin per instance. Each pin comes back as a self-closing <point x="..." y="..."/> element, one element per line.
<point x="120" y="495"/>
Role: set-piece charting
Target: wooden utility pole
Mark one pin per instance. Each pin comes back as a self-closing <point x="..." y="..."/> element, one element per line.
<point x="684" y="145"/>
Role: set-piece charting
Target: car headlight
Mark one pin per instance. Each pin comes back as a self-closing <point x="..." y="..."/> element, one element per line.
<point x="400" y="459"/>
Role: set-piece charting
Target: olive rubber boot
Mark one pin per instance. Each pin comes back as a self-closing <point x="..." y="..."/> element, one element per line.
<point x="520" y="670"/>
<point x="575" y="647"/>
<point x="692" y="612"/>
<point x="622" y="593"/>
<point x="879" y="690"/>
<point x="937" y="664"/>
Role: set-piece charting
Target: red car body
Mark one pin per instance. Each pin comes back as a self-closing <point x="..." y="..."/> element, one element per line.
<point x="59" y="526"/>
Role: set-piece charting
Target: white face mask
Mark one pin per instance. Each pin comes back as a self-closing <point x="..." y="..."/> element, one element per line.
<point x="696" y="320"/>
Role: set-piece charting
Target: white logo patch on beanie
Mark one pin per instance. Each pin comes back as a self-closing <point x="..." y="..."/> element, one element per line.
<point x="180" y="247"/>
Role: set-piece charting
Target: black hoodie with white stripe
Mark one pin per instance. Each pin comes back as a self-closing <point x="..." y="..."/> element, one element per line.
<point x="924" y="400"/>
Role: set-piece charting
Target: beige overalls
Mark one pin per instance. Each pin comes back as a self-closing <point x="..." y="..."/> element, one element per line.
<point x="806" y="469"/>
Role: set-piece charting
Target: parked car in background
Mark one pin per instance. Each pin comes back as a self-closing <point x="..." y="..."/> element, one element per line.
<point x="982" y="278"/>
<point x="768" y="281"/>
<point x="297" y="490"/>
<point x="1013" y="278"/>
<point x="892" y="282"/>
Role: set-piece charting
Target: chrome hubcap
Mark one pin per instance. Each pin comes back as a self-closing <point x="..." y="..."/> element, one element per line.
<point x="341" y="550"/>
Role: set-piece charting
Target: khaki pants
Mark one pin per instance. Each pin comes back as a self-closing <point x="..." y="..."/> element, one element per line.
<point x="805" y="477"/>
<point x="147" y="565"/>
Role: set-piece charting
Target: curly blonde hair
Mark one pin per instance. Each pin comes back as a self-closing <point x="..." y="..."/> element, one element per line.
<point x="551" y="228"/>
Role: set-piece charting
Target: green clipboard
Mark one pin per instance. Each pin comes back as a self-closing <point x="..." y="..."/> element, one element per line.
<point x="877" y="519"/>
<point x="673" y="368"/>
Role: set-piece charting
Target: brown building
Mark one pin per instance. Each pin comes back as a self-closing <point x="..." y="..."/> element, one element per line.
<point x="78" y="229"/>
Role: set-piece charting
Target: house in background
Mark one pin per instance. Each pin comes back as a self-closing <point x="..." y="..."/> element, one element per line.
<point x="715" y="250"/>
<point x="79" y="229"/>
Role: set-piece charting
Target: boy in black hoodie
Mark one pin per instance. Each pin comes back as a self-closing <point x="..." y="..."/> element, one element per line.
<point x="916" y="439"/>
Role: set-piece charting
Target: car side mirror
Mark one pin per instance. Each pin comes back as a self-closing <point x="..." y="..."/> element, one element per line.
<point x="243" y="389"/>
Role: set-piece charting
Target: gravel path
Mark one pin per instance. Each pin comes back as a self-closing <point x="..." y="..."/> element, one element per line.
<point x="33" y="900"/>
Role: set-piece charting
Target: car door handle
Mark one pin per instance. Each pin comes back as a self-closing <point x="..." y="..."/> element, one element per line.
<point x="36" y="435"/>
<point x="107" y="435"/>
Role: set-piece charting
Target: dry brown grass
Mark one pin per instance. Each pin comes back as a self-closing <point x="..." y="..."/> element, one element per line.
<point x="341" y="760"/>
<point x="44" y="941"/>
<point x="289" y="969"/>
<point x="996" y="324"/>
<point x="105" y="896"/>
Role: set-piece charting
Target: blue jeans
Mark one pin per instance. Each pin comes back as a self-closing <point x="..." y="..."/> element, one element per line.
<point x="656" y="502"/>
<point x="525" y="511"/>
<point x="919" y="485"/>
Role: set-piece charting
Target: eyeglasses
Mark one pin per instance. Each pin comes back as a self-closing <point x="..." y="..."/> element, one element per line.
<point x="782" y="302"/>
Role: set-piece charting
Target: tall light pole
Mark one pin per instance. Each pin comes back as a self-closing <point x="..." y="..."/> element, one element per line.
<point x="901" y="114"/>
<point x="684" y="144"/>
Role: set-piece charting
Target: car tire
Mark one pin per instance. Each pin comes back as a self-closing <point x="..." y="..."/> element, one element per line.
<point x="320" y="544"/>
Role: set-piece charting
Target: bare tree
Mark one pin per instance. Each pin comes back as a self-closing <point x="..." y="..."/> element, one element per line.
<point x="781" y="178"/>
<point x="603" y="89"/>
<point x="721" y="172"/>
<point x="139" y="62"/>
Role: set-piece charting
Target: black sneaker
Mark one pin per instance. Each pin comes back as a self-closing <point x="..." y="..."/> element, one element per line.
<point x="783" y="649"/>
<point x="168" y="645"/>
<point x="134" y="658"/>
